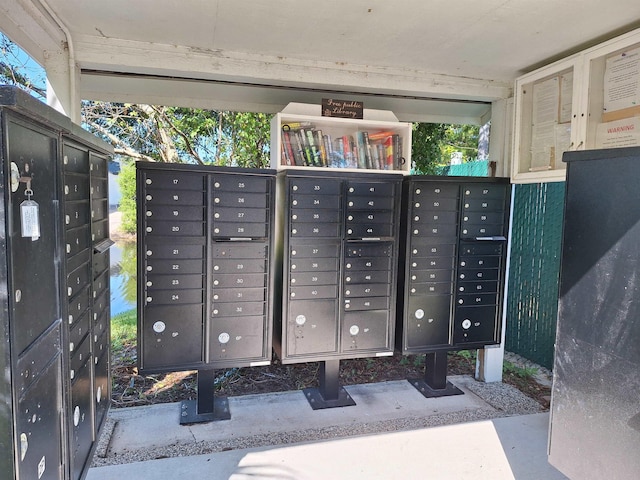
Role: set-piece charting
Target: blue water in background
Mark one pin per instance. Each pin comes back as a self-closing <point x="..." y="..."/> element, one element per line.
<point x="118" y="282"/>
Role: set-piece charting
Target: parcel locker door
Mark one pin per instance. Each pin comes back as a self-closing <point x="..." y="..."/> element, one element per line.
<point x="312" y="327"/>
<point x="38" y="428"/>
<point x="32" y="241"/>
<point x="233" y="340"/>
<point x="172" y="337"/>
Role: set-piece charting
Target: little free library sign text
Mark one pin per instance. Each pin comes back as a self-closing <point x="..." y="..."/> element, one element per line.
<point x="342" y="108"/>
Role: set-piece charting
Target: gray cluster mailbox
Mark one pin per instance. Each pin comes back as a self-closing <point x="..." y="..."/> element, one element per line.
<point x="452" y="269"/>
<point x="205" y="273"/>
<point x="54" y="271"/>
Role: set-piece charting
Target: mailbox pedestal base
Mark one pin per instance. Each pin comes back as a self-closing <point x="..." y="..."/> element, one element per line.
<point x="435" y="384"/>
<point x="329" y="394"/>
<point x="206" y="408"/>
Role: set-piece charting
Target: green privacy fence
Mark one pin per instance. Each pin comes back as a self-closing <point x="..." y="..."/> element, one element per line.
<point x="532" y="301"/>
<point x="478" y="168"/>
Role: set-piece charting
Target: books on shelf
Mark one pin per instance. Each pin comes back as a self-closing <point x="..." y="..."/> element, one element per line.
<point x="304" y="144"/>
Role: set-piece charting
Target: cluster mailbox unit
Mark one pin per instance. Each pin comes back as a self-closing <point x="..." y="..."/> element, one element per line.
<point x="452" y="268"/>
<point x="340" y="254"/>
<point x="54" y="265"/>
<point x="205" y="250"/>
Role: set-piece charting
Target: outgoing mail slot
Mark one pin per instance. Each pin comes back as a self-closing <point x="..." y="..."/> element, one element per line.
<point x="165" y="282"/>
<point x="481" y="248"/>
<point x="240" y="183"/>
<point x="174" y="266"/>
<point x="239" y="280"/>
<point x="237" y="309"/>
<point x="173" y="181"/>
<point x="239" y="250"/>
<point x="174" y="197"/>
<point x="229" y="265"/>
<point x="239" y="199"/>
<point x="174" y="229"/>
<point x="176" y="212"/>
<point x="240" y="215"/>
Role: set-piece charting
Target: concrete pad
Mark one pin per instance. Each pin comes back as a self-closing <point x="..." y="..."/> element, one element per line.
<point x="158" y="426"/>
<point x="504" y="448"/>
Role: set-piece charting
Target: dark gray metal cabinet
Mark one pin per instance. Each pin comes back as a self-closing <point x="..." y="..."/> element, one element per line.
<point x="205" y="249"/>
<point x="595" y="407"/>
<point x="340" y="251"/>
<point x="453" y="263"/>
<point x="54" y="291"/>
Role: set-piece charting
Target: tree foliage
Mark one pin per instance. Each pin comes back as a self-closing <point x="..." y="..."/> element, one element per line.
<point x="434" y="143"/>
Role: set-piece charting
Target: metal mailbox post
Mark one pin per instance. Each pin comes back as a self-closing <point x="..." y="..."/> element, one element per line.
<point x="452" y="270"/>
<point x="54" y="272"/>
<point x="205" y="273"/>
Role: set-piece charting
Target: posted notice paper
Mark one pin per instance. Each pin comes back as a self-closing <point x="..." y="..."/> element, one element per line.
<point x="621" y="133"/>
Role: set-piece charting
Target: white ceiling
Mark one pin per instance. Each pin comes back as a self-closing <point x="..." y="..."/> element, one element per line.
<point x="404" y="51"/>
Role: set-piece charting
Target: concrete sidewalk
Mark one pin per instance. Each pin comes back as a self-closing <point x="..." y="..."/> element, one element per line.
<point x="392" y="432"/>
